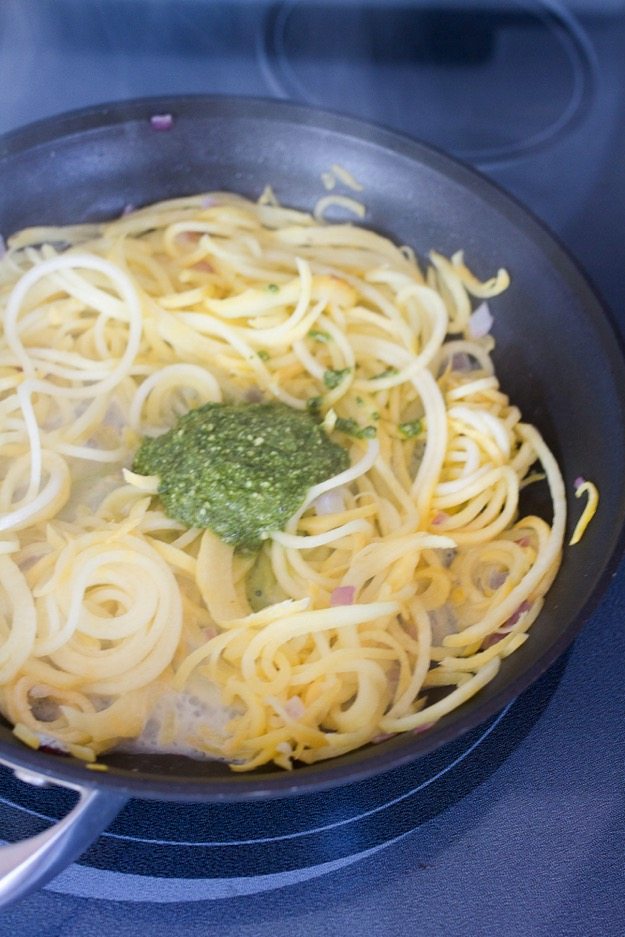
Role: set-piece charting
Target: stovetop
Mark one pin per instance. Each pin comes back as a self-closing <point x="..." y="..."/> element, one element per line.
<point x="519" y="827"/>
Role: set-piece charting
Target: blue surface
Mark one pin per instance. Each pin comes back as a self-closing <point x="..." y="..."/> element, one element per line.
<point x="536" y="845"/>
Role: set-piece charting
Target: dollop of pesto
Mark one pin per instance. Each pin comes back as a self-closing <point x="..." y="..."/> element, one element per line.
<point x="241" y="470"/>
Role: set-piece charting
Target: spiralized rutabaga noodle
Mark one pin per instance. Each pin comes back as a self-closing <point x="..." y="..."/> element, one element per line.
<point x="392" y="595"/>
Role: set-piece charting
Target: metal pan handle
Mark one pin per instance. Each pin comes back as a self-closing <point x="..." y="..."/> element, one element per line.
<point x="28" y="865"/>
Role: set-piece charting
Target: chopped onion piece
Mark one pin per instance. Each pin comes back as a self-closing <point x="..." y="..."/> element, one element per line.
<point x="330" y="502"/>
<point x="447" y="556"/>
<point x="511" y="622"/>
<point x="424" y="728"/>
<point x="461" y="362"/>
<point x="39" y="691"/>
<point x="579" y="481"/>
<point x="161" y="121"/>
<point x="343" y="478"/>
<point x="443" y="622"/>
<point x="491" y="639"/>
<point x="342" y="595"/>
<point x="480" y="321"/>
<point x="294" y="707"/>
<point x="52" y="744"/>
<point x="497" y="578"/>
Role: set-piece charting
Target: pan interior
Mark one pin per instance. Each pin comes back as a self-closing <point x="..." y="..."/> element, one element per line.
<point x="557" y="354"/>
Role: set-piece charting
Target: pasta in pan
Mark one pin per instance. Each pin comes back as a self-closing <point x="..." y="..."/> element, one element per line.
<point x="386" y="600"/>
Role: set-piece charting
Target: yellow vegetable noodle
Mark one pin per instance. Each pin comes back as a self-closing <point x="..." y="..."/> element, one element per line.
<point x="259" y="485"/>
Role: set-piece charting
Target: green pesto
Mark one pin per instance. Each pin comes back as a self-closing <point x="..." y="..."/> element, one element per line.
<point x="319" y="335"/>
<point x="314" y="404"/>
<point x="387" y="372"/>
<point x="351" y="428"/>
<point x="332" y="378"/>
<point x="410" y="429"/>
<point x="241" y="470"/>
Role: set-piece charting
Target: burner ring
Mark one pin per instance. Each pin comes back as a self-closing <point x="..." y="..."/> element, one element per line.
<point x="161" y="852"/>
<point x="488" y="86"/>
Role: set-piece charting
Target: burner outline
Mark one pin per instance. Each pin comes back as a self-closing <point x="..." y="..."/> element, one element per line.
<point x="106" y="884"/>
<point x="562" y="24"/>
<point x="287" y="836"/>
<point x="94" y="879"/>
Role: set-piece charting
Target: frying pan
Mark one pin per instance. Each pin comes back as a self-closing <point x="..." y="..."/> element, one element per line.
<point x="558" y="356"/>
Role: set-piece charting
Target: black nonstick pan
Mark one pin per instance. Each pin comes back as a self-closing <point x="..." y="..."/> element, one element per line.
<point x="558" y="356"/>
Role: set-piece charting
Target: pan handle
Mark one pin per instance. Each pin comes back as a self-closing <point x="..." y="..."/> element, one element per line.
<point x="28" y="865"/>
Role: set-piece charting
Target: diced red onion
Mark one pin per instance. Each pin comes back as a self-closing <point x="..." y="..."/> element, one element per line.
<point x="127" y="209"/>
<point x="524" y="542"/>
<point x="342" y="595"/>
<point x="511" y="622"/>
<point x="393" y="676"/>
<point x="497" y="578"/>
<point x="423" y="728"/>
<point x="39" y="691"/>
<point x="51" y="744"/>
<point x="447" y="556"/>
<point x="443" y="621"/>
<point x="480" y="321"/>
<point x="579" y="481"/>
<point x="52" y="750"/>
<point x="383" y="737"/>
<point x="491" y="639"/>
<point x="208" y="201"/>
<point x="439" y="518"/>
<point x="294" y="707"/>
<point x="461" y="362"/>
<point x="253" y="395"/>
<point x="330" y="502"/>
<point x="188" y="237"/>
<point x="161" y="121"/>
<point x="45" y="709"/>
